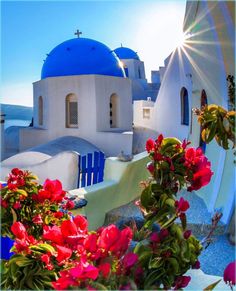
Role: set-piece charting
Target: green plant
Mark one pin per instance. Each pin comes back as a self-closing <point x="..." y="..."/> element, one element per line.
<point x="217" y="123"/>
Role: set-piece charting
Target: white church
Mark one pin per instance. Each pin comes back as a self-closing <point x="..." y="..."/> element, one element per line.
<point x="86" y="90"/>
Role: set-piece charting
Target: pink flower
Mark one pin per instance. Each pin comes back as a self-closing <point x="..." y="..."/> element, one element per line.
<point x="130" y="260"/>
<point x="230" y="273"/>
<point x="150" y="145"/>
<point x="84" y="271"/>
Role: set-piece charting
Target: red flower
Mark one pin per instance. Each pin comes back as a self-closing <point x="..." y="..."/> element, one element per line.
<point x="155" y="238"/>
<point x="37" y="219"/>
<point x="230" y="273"/>
<point x="11" y="186"/>
<point x="68" y="228"/>
<point x="164" y="233"/>
<point x="200" y="179"/>
<point x="157" y="157"/>
<point x="84" y="271"/>
<point x="159" y="140"/>
<point x="64" y="282"/>
<point x="17" y="172"/>
<point x="181" y="282"/>
<point x="109" y="236"/>
<point x="54" y="187"/>
<point x="19" y="230"/>
<point x="122" y="244"/>
<point x="17" y="205"/>
<point x="81" y="223"/>
<point x="196" y="265"/>
<point x="63" y="253"/>
<point x="187" y="234"/>
<point x="181" y="205"/>
<point x="104" y="269"/>
<point x="58" y="214"/>
<point x="3" y="203"/>
<point x="150" y="145"/>
<point x="53" y="233"/>
<point x="69" y="204"/>
<point x="90" y="243"/>
<point x="151" y="167"/>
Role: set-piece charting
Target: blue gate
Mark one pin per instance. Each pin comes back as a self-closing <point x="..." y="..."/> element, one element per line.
<point x="91" y="169"/>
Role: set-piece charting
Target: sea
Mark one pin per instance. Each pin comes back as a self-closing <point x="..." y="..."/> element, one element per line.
<point x="16" y="122"/>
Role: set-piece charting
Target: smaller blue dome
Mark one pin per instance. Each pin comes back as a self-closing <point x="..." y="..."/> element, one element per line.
<point x="126" y="53"/>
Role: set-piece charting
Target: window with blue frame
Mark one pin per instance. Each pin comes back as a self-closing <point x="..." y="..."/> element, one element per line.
<point x="184" y="106"/>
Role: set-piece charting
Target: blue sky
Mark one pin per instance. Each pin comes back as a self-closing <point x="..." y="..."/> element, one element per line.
<point x="31" y="29"/>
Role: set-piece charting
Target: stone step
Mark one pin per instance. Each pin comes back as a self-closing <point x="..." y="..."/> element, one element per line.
<point x="199" y="219"/>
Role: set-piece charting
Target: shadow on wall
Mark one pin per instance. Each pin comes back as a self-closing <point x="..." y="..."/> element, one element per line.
<point x="140" y="136"/>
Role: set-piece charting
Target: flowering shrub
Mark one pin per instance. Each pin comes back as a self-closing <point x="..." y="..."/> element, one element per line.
<point x="68" y="256"/>
<point x="24" y="200"/>
<point x="173" y="250"/>
<point x="54" y="250"/>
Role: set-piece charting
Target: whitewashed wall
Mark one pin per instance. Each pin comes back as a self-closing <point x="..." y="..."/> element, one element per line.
<point x="93" y="93"/>
<point x="63" y="167"/>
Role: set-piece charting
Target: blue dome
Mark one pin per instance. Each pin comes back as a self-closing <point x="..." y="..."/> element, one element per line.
<point x="81" y="56"/>
<point x="126" y="53"/>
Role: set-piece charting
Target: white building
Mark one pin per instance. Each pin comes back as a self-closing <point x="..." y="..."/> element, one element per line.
<point x="83" y="92"/>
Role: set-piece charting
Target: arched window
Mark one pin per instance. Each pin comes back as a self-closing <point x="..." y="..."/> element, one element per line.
<point x="184" y="106"/>
<point x="139" y="73"/>
<point x="204" y="102"/>
<point x="71" y="111"/>
<point x="114" y="99"/>
<point x="40" y="110"/>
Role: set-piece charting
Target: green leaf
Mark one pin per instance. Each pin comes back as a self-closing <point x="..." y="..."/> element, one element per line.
<point x="212" y="286"/>
<point x="146" y="197"/>
<point x="169" y="221"/>
<point x="174" y="264"/>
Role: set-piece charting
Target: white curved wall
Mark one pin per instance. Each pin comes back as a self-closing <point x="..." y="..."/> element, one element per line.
<point x="167" y="108"/>
<point x="63" y="167"/>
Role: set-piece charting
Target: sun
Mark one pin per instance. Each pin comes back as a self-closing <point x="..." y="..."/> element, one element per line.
<point x="182" y="39"/>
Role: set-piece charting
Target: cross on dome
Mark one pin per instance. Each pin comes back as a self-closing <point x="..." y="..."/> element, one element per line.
<point x="78" y="33"/>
